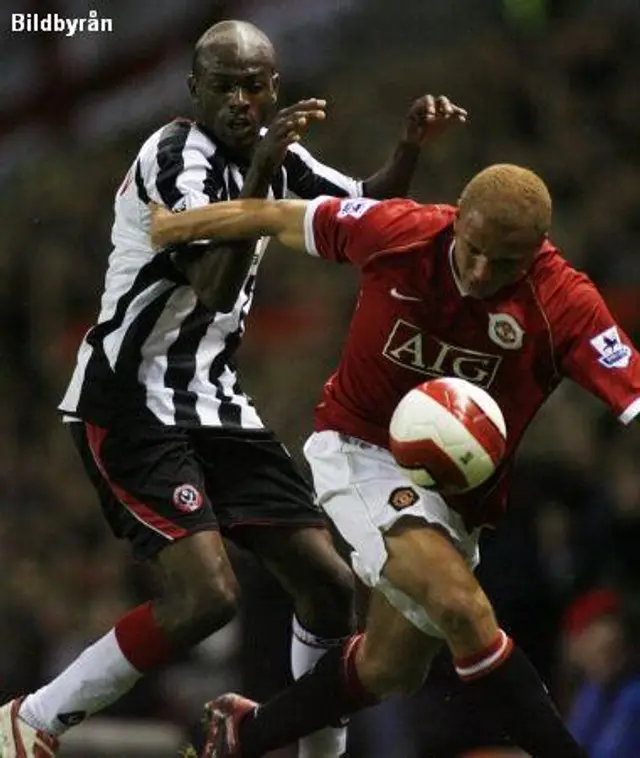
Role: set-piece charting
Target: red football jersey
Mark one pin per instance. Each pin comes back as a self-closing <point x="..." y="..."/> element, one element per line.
<point x="413" y="322"/>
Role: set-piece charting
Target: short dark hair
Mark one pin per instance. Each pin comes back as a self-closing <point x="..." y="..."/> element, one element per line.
<point x="510" y="195"/>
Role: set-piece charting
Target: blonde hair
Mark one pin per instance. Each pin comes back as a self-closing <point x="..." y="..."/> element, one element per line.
<point x="509" y="196"/>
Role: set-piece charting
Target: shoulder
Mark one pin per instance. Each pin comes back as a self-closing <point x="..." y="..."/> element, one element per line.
<point x="423" y="221"/>
<point x="172" y="139"/>
<point x="557" y="283"/>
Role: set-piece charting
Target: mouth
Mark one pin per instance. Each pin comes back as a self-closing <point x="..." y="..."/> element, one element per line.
<point x="478" y="290"/>
<point x="240" y="125"/>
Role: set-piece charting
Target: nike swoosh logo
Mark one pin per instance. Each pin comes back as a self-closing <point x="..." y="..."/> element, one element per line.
<point x="399" y="296"/>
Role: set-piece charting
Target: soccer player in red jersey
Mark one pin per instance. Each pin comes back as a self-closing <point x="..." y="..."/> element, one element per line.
<point x="476" y="291"/>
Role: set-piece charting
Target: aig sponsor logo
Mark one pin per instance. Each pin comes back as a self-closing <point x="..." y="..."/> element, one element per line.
<point x="411" y="348"/>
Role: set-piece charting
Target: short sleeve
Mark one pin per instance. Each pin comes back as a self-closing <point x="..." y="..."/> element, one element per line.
<point x="176" y="168"/>
<point x="594" y="351"/>
<point x="308" y="178"/>
<point x="359" y="229"/>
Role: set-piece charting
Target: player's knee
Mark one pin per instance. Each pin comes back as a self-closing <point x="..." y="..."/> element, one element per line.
<point x="463" y="614"/>
<point x="390" y="676"/>
<point x="195" y="607"/>
<point x="217" y="596"/>
<point x="327" y="600"/>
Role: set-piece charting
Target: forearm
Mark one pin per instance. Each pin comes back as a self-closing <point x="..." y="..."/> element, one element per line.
<point x="217" y="272"/>
<point x="222" y="222"/>
<point x="394" y="178"/>
<point x="229" y="221"/>
<point x="224" y="267"/>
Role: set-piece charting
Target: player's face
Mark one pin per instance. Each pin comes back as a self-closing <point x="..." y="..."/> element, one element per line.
<point x="234" y="97"/>
<point x="488" y="257"/>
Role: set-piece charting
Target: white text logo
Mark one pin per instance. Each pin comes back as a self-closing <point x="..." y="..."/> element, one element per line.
<point x="409" y="347"/>
<point x="54" y="22"/>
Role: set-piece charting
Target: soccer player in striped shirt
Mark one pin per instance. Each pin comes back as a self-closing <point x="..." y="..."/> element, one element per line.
<point x="176" y="450"/>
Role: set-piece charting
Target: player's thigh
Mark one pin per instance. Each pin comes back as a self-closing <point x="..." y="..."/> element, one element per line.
<point x="395" y="656"/>
<point x="366" y="495"/>
<point x="425" y="565"/>
<point x="308" y="566"/>
<point x="264" y="504"/>
<point x="150" y="486"/>
<point x="253" y="482"/>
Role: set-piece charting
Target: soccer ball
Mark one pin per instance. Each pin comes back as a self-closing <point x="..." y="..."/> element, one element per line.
<point x="448" y="434"/>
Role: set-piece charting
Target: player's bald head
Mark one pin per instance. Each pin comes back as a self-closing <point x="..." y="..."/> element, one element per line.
<point x="509" y="197"/>
<point x="231" y="41"/>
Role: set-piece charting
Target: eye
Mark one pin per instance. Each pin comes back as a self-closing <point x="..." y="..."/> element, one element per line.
<point x="221" y="86"/>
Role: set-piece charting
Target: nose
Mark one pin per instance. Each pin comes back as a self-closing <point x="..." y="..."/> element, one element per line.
<point x="239" y="96"/>
<point x="480" y="272"/>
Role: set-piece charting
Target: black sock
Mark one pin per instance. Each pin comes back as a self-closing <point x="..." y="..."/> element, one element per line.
<point x="320" y="698"/>
<point x="517" y="695"/>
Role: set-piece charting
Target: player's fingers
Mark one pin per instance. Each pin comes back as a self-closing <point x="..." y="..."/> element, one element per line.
<point x="293" y="129"/>
<point x="293" y="135"/>
<point x="311" y="104"/>
<point x="455" y="112"/>
<point x="430" y="106"/>
<point x="302" y="120"/>
<point x="444" y="106"/>
<point x="317" y="115"/>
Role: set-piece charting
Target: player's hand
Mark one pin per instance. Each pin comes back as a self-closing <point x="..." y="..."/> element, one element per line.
<point x="430" y="116"/>
<point x="289" y="125"/>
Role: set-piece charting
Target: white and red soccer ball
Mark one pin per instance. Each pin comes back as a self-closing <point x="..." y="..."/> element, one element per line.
<point x="448" y="434"/>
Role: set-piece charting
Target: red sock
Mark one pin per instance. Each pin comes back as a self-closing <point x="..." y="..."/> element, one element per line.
<point x="143" y="643"/>
<point x="503" y="678"/>
<point x="485" y="660"/>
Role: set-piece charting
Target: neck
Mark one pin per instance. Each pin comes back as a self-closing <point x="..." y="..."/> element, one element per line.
<point x="240" y="156"/>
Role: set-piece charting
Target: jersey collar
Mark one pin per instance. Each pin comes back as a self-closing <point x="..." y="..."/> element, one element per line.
<point x="454" y="273"/>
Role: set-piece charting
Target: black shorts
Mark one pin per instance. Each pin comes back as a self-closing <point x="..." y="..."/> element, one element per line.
<point x="158" y="484"/>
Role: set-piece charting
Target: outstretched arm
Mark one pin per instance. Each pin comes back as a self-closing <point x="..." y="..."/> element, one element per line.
<point x="426" y="120"/>
<point x="232" y="220"/>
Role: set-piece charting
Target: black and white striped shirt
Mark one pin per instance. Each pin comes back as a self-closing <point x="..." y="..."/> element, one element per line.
<point x="155" y="348"/>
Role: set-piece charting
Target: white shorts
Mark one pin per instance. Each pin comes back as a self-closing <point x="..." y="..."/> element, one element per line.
<point x="358" y="485"/>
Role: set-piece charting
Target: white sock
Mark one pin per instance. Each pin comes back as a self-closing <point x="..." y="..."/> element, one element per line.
<point x="98" y="677"/>
<point x="306" y="651"/>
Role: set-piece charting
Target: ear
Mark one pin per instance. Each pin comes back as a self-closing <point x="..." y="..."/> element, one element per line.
<point x="193" y="86"/>
<point x="275" y="87"/>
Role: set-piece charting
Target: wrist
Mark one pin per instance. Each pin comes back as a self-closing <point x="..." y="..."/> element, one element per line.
<point x="258" y="178"/>
<point x="409" y="145"/>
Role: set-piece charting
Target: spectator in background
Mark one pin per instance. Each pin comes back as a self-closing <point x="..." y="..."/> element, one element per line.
<point x="601" y="645"/>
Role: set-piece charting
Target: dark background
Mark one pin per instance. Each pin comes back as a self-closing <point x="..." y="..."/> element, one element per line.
<point x="550" y="85"/>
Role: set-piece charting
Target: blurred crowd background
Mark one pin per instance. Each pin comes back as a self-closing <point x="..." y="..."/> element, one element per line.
<point x="548" y="84"/>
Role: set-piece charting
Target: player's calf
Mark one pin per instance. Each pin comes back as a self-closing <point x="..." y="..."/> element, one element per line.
<point x="321" y="585"/>
<point x="200" y="592"/>
<point x="394" y="656"/>
<point x="199" y="596"/>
